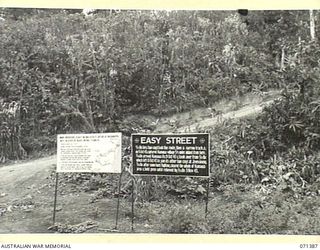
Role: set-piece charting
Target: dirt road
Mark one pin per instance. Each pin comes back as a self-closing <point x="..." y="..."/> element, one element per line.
<point x="202" y="118"/>
<point x="219" y="118"/>
<point x="20" y="176"/>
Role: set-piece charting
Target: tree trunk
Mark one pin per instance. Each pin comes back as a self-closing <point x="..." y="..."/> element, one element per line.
<point x="312" y="26"/>
<point x="282" y="59"/>
<point x="84" y="99"/>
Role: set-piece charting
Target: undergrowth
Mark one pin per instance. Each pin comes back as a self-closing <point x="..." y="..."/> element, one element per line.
<point x="277" y="213"/>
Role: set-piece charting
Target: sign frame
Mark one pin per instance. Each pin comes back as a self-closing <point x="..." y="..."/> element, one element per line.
<point x="118" y="136"/>
<point x="171" y="175"/>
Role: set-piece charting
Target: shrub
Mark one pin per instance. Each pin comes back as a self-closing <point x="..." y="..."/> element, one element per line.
<point x="184" y="219"/>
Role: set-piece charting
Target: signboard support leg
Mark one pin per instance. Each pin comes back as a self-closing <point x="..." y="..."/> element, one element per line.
<point x="132" y="205"/>
<point x="207" y="198"/>
<point x="118" y="204"/>
<point x="55" y="198"/>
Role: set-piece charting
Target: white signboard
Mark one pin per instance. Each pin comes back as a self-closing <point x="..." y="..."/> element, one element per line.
<point x="92" y="153"/>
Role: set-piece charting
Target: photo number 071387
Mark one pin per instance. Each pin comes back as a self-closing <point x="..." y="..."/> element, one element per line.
<point x="311" y="246"/>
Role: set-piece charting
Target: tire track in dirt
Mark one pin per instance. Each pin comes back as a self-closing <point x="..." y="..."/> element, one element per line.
<point x="202" y="118"/>
<point x="210" y="122"/>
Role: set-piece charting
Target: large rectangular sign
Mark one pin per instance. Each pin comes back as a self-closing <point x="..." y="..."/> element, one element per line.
<point x="94" y="153"/>
<point x="171" y="154"/>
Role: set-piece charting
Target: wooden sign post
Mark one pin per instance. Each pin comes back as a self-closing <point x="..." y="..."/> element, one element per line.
<point x="87" y="153"/>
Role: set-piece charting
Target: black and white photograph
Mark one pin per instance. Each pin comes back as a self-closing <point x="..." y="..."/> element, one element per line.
<point x="159" y="121"/>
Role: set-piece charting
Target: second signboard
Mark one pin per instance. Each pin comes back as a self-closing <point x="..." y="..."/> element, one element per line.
<point x="93" y="153"/>
<point x="171" y="154"/>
